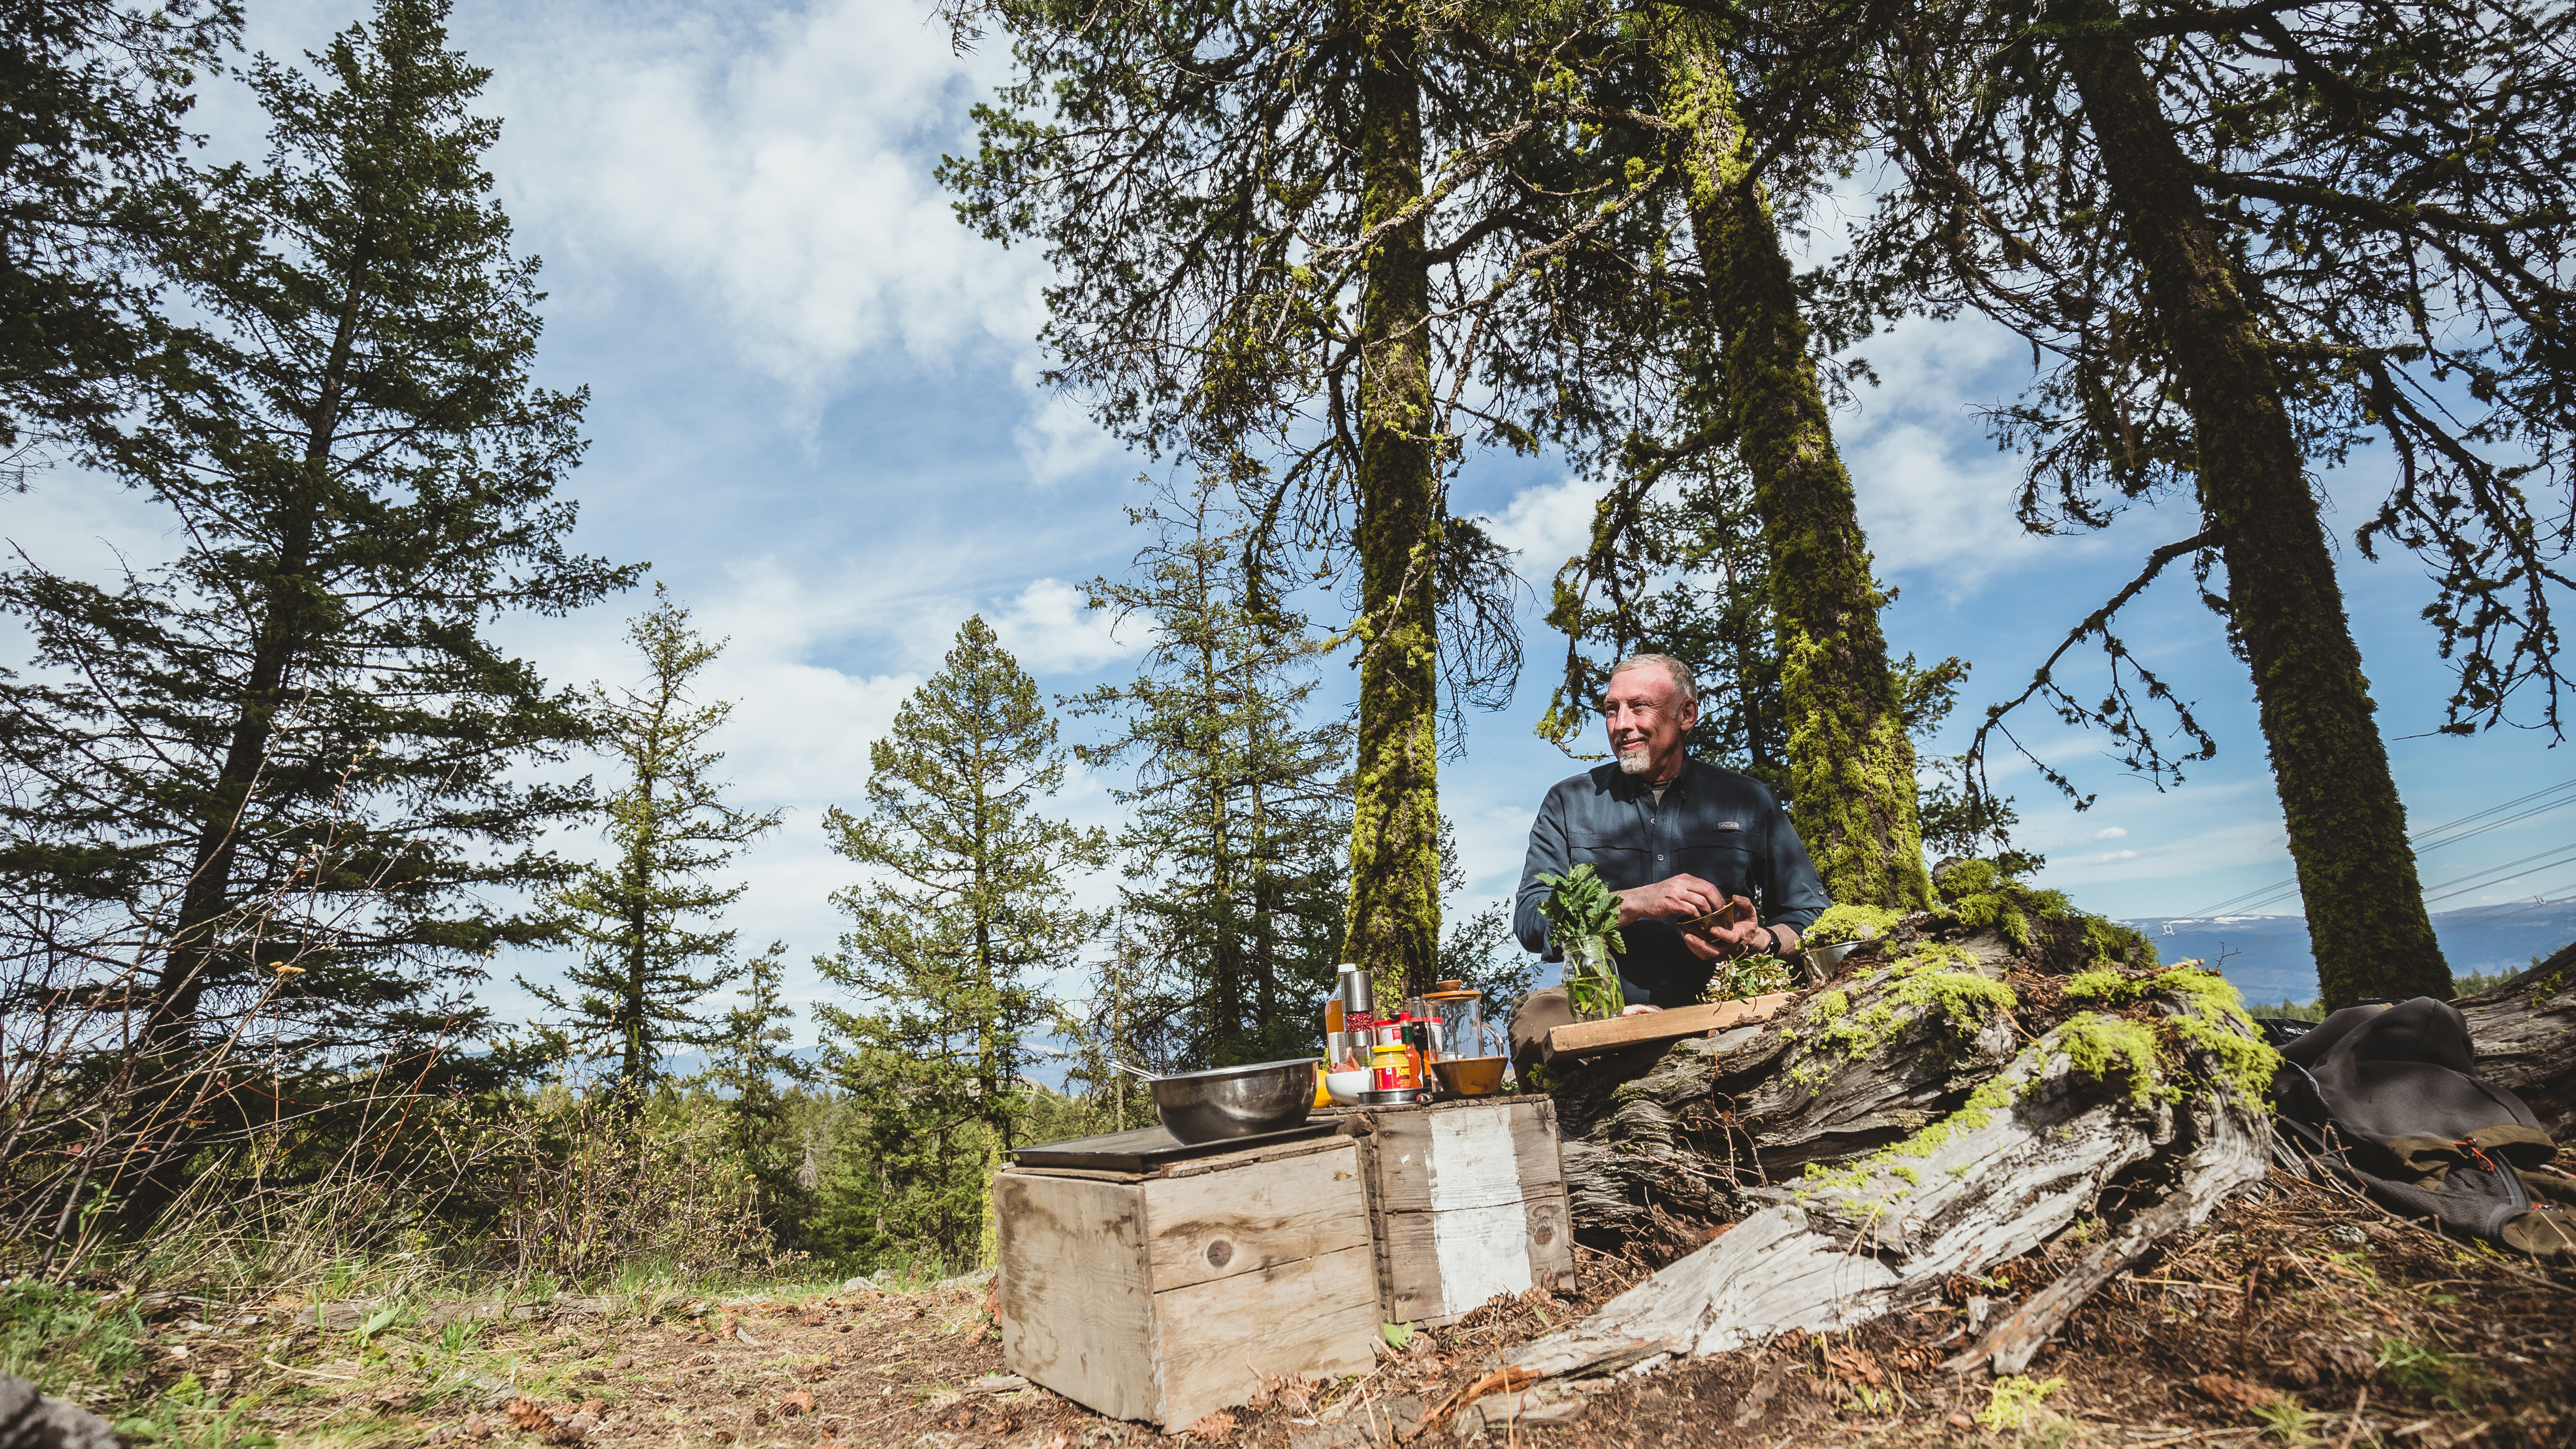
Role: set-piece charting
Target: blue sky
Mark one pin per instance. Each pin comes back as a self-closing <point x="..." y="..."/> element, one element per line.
<point x="813" y="409"/>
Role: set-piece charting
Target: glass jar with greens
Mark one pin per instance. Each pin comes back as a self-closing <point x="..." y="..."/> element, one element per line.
<point x="1583" y="921"/>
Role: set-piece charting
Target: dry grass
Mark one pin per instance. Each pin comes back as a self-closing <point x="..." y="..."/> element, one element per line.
<point x="2299" y="1316"/>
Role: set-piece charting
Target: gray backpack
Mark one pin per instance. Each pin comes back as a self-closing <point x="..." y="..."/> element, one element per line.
<point x="2388" y="1098"/>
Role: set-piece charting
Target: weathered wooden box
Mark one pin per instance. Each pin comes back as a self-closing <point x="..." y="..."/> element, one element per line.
<point x="1467" y="1200"/>
<point x="1163" y="1294"/>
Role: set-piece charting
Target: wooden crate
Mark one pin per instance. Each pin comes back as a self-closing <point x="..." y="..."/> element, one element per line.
<point x="1467" y="1200"/>
<point x="1163" y="1295"/>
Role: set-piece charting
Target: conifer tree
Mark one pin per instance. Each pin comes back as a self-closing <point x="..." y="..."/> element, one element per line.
<point x="1731" y="536"/>
<point x="94" y="95"/>
<point x="2245" y="242"/>
<point x="303" y="704"/>
<point x="1129" y="1015"/>
<point x="751" y="1064"/>
<point x="1234" y="849"/>
<point x="963" y="904"/>
<point x="1325" y="268"/>
<point x="643" y="918"/>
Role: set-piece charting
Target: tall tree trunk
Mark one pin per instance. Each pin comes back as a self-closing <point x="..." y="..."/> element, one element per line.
<point x="1395" y="817"/>
<point x="1851" y="766"/>
<point x="285" y="631"/>
<point x="2365" y="907"/>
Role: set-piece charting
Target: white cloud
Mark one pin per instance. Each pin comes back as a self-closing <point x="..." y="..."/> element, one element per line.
<point x="1546" y="524"/>
<point x="2111" y="832"/>
<point x="2111" y="855"/>
<point x="1059" y="440"/>
<point x="1051" y="631"/>
<point x="778" y="171"/>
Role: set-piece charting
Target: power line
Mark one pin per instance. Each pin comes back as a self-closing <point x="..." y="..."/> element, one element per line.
<point x="2436" y="837"/>
<point x="2482" y="879"/>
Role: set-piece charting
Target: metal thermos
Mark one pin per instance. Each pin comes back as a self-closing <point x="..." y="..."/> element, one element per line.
<point x="1356" y="991"/>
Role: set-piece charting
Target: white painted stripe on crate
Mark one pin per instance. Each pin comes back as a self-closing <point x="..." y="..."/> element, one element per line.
<point x="1479" y="1229"/>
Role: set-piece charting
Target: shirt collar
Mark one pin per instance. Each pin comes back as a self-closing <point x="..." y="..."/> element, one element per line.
<point x="1637" y="787"/>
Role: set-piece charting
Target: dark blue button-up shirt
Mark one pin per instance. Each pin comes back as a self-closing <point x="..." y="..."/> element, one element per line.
<point x="1727" y="829"/>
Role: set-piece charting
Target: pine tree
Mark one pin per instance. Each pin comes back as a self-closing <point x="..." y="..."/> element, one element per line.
<point x="1731" y="535"/>
<point x="1129" y="1015"/>
<point x="1240" y="810"/>
<point x="1851" y="763"/>
<point x="294" y="741"/>
<point x="751" y="1065"/>
<point x="964" y="903"/>
<point x="94" y="95"/>
<point x="642" y="919"/>
<point x="1325" y="270"/>
<point x="2241" y="244"/>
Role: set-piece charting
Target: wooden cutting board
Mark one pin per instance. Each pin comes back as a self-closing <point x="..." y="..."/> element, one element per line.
<point x="1599" y="1038"/>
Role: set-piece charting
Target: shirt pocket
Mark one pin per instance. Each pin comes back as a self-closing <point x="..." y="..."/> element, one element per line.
<point x="1620" y="864"/>
<point x="1724" y="861"/>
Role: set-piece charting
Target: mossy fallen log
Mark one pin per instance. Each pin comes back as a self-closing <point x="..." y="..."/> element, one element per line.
<point x="2525" y="1034"/>
<point x="1969" y="1084"/>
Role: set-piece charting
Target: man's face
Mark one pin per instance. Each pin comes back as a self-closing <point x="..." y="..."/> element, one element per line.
<point x="1647" y="717"/>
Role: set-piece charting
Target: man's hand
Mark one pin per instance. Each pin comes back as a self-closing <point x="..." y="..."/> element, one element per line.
<point x="1640" y="1009"/>
<point x="1681" y="895"/>
<point x="1746" y="937"/>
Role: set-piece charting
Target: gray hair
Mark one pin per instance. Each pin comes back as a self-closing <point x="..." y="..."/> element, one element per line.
<point x="1680" y="672"/>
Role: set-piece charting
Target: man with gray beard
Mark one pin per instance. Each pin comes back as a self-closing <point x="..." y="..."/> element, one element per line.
<point x="1675" y="838"/>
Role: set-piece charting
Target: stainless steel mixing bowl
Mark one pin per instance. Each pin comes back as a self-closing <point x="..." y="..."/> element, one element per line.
<point x="1228" y="1102"/>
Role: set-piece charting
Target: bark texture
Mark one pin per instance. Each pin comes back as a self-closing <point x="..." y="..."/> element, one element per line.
<point x="1851" y="764"/>
<point x="2101" y="1115"/>
<point x="1395" y="817"/>
<point x="2347" y="827"/>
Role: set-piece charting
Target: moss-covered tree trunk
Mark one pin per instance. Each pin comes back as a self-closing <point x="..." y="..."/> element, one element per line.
<point x="1851" y="766"/>
<point x="2365" y="908"/>
<point x="1395" y="822"/>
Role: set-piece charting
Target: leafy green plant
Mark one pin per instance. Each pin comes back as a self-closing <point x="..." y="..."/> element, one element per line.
<point x="2015" y="1400"/>
<point x="1583" y="920"/>
<point x="2436" y="1377"/>
<point x="2288" y="1420"/>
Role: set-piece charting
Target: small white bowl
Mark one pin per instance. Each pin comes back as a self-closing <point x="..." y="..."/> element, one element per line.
<point x="1345" y="1087"/>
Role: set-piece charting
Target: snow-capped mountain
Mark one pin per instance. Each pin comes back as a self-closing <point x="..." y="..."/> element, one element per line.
<point x="2267" y="956"/>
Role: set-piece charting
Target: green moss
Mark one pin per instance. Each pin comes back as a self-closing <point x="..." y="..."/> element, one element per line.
<point x="2248" y="1063"/>
<point x="1828" y="1006"/>
<point x="1926" y="990"/>
<point x="2107" y="1047"/>
<point x="2245" y="1060"/>
<point x="2110" y="941"/>
<point x="1842" y="923"/>
<point x="2016" y="1400"/>
<point x="2108" y="987"/>
<point x="1981" y="894"/>
<point x="1991" y="1096"/>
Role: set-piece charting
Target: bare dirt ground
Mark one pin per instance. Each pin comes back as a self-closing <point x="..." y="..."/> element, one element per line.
<point x="2300" y="1315"/>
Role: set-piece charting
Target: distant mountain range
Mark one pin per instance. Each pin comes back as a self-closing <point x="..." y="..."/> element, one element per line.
<point x="2267" y="956"/>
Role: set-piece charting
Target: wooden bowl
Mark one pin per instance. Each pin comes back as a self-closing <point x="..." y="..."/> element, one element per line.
<point x="1471" y="1076"/>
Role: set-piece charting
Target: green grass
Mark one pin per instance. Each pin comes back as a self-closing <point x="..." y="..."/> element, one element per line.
<point x="98" y="1350"/>
<point x="71" y="1345"/>
<point x="2435" y="1376"/>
